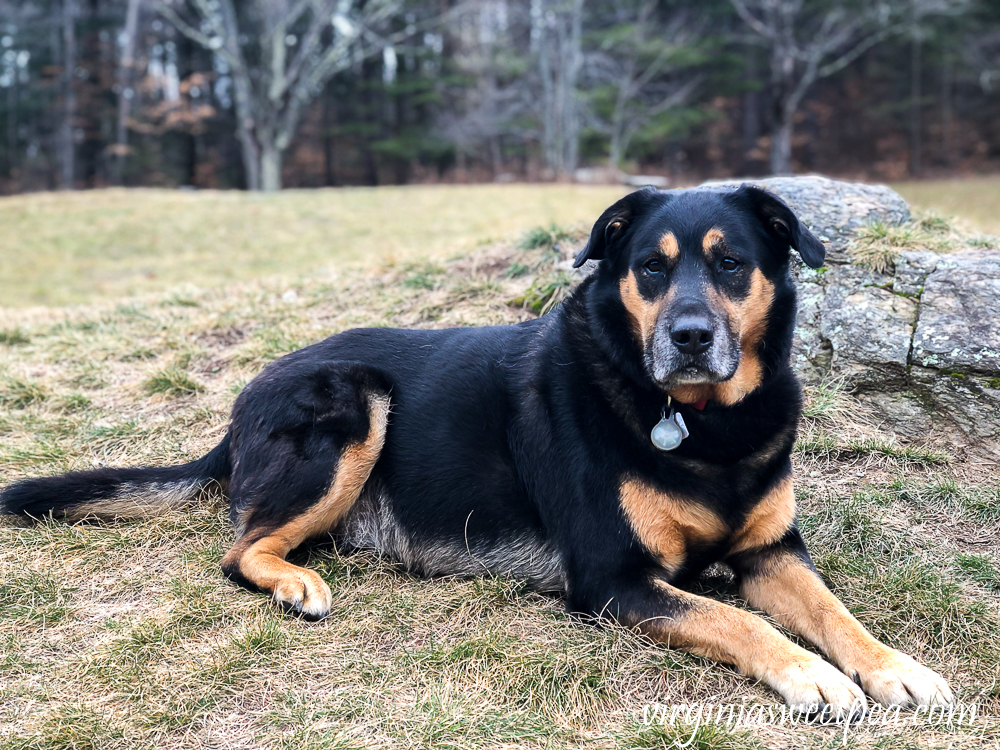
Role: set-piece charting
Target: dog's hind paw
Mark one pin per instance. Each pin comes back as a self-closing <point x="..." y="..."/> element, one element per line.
<point x="304" y="593"/>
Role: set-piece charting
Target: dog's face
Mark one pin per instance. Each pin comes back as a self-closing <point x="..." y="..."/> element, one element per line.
<point x="697" y="273"/>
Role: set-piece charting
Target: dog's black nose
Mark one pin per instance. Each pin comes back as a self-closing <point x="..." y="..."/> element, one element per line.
<point x="692" y="334"/>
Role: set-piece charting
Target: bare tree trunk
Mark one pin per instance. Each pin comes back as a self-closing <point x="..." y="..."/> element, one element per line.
<point x="496" y="156"/>
<point x="916" y="146"/>
<point x="270" y="166"/>
<point x="67" y="146"/>
<point x="751" y="110"/>
<point x="12" y="149"/>
<point x="328" y="171"/>
<point x="125" y="92"/>
<point x="539" y="22"/>
<point x="615" y="154"/>
<point x="781" y="142"/>
<point x="571" y="121"/>
<point x="946" y="112"/>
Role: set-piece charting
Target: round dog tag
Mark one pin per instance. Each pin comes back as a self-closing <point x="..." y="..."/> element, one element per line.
<point x="666" y="435"/>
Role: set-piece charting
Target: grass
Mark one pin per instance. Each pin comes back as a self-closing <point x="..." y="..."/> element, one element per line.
<point x="976" y="199"/>
<point x="877" y="245"/>
<point x="125" y="635"/>
<point x="171" y="381"/>
<point x="74" y="248"/>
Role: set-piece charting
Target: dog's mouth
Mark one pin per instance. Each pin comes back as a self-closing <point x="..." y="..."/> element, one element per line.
<point x="701" y="370"/>
<point x="693" y="375"/>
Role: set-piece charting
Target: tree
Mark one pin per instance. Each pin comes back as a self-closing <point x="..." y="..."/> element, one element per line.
<point x="279" y="54"/>
<point x="67" y="90"/>
<point x="556" y="42"/>
<point x="639" y="70"/>
<point x="808" y="40"/>
<point x="125" y="91"/>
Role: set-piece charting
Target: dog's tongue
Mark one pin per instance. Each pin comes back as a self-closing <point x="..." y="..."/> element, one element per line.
<point x="700" y="405"/>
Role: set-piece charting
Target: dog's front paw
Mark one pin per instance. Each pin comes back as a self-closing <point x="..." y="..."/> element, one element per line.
<point x="811" y="685"/>
<point x="895" y="679"/>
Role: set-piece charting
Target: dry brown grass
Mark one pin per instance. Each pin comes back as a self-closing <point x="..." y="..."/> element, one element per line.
<point x="84" y="247"/>
<point x="975" y="198"/>
<point x="126" y="636"/>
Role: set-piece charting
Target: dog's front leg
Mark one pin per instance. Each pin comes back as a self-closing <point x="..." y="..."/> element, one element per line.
<point x="807" y="682"/>
<point x="781" y="580"/>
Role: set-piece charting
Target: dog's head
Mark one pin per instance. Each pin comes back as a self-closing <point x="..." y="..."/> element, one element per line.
<point x="701" y="276"/>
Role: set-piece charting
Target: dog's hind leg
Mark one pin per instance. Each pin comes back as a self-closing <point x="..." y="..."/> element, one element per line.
<point x="298" y="476"/>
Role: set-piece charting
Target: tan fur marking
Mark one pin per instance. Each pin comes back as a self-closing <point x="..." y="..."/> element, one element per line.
<point x="642" y="312"/>
<point x="666" y="524"/>
<point x="713" y="239"/>
<point x="141" y="500"/>
<point x="727" y="634"/>
<point x="263" y="561"/>
<point x="769" y="520"/>
<point x="749" y="320"/>
<point x="669" y="246"/>
<point x="799" y="600"/>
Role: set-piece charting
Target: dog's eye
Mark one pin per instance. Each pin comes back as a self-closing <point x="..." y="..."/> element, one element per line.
<point x="729" y="264"/>
<point x="653" y="266"/>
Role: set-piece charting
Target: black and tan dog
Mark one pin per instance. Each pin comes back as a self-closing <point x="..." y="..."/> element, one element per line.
<point x="525" y="450"/>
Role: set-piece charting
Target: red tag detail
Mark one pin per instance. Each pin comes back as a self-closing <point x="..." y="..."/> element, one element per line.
<point x="700" y="405"/>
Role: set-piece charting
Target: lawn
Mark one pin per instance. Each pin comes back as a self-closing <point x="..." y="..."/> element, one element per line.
<point x="126" y="636"/>
<point x="75" y="248"/>
<point x="974" y="199"/>
<point x="59" y="249"/>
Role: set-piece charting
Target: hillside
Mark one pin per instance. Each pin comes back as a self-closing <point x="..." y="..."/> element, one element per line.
<point x="126" y="635"/>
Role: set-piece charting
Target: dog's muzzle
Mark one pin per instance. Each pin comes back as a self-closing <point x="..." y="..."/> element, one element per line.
<point x="690" y="350"/>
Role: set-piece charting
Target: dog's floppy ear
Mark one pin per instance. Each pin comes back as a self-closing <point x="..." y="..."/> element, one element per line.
<point x="614" y="224"/>
<point x="782" y="224"/>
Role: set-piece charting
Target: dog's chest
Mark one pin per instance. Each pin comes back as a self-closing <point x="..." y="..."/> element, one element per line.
<point x="671" y="526"/>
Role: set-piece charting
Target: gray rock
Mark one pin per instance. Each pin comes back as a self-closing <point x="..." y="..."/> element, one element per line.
<point x="868" y="326"/>
<point x="834" y="210"/>
<point x="810" y="351"/>
<point x="912" y="269"/>
<point x="959" y="313"/>
<point x="970" y="402"/>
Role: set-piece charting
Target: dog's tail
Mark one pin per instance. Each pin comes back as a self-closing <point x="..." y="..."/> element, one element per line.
<point x="117" y="493"/>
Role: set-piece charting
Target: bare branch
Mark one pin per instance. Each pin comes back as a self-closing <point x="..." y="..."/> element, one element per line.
<point x="752" y="21"/>
<point x="847" y="58"/>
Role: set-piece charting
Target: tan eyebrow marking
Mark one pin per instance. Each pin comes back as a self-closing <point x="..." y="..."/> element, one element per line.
<point x="713" y="238"/>
<point x="669" y="246"/>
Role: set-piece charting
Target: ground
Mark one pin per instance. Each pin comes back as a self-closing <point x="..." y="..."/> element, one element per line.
<point x="126" y="636"/>
<point x="60" y="249"/>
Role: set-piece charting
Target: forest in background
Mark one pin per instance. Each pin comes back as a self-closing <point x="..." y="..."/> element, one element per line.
<point x="262" y="94"/>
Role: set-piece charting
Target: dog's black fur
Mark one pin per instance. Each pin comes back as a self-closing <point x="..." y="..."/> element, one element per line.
<point x="507" y="447"/>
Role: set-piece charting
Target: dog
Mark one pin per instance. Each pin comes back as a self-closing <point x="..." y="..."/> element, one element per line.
<point x="531" y="451"/>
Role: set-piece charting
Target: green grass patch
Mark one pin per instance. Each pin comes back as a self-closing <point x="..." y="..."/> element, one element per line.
<point x="545" y="293"/>
<point x="546" y="237"/>
<point x="33" y="597"/>
<point x="19" y="393"/>
<point x="980" y="569"/>
<point x="172" y="382"/>
<point x="708" y="736"/>
<point x="821" y="443"/>
<point x="13" y="337"/>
